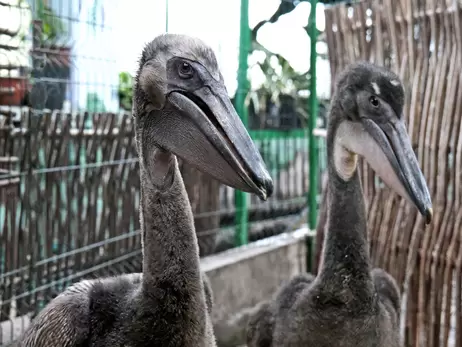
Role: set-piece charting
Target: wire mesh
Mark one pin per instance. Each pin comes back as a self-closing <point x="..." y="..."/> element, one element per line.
<point x="69" y="180"/>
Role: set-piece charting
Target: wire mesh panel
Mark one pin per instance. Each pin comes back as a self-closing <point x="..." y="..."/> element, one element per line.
<point x="69" y="206"/>
<point x="69" y="175"/>
<point x="75" y="211"/>
<point x="61" y="172"/>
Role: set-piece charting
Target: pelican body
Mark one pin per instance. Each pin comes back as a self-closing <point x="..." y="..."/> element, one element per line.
<point x="181" y="108"/>
<point x="349" y="303"/>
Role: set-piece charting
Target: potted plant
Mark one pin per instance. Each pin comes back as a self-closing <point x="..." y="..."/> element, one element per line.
<point x="14" y="72"/>
<point x="50" y="58"/>
<point x="13" y="90"/>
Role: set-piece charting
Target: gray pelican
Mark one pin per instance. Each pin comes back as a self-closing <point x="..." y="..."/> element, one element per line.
<point x="181" y="108"/>
<point x="349" y="303"/>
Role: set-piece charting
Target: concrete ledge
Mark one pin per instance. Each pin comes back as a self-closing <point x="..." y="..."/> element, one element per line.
<point x="235" y="255"/>
<point x="243" y="277"/>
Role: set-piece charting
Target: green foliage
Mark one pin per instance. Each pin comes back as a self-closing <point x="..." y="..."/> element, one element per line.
<point x="281" y="78"/>
<point x="125" y="90"/>
<point x="53" y="28"/>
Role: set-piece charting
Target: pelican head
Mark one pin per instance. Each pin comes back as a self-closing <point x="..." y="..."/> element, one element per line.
<point x="182" y="106"/>
<point x="370" y="123"/>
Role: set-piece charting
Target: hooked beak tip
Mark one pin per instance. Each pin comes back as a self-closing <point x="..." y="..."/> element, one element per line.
<point x="428" y="215"/>
<point x="263" y="196"/>
<point x="265" y="188"/>
<point x="262" y="184"/>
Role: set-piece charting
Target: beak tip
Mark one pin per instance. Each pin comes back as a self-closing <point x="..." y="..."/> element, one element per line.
<point x="265" y="188"/>
<point x="428" y="215"/>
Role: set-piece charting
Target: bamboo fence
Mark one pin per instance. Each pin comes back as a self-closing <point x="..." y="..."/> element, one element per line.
<point x="422" y="42"/>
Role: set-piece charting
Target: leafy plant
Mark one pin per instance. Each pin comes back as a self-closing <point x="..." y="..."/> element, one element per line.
<point x="53" y="28"/>
<point x="281" y="85"/>
<point x="125" y="90"/>
<point x="282" y="82"/>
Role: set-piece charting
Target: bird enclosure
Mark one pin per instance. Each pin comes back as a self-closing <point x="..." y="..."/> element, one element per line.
<point x="422" y="42"/>
<point x="69" y="180"/>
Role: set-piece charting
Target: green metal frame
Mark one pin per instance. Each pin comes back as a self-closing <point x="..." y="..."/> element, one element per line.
<point x="270" y="134"/>
<point x="313" y="141"/>
<point x="241" y="198"/>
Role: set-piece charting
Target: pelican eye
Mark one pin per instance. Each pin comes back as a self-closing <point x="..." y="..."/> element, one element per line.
<point x="374" y="101"/>
<point x="185" y="70"/>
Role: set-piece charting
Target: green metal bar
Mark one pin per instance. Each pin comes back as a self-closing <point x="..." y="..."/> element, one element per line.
<point x="40" y="6"/>
<point x="271" y="134"/>
<point x="313" y="100"/>
<point x="241" y="198"/>
<point x="166" y="16"/>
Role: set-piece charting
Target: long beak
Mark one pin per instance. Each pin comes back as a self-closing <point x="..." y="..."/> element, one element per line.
<point x="399" y="169"/>
<point x="204" y="130"/>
